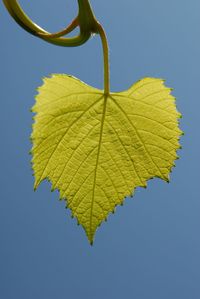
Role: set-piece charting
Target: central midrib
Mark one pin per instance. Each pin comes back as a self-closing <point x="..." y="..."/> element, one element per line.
<point x="97" y="162"/>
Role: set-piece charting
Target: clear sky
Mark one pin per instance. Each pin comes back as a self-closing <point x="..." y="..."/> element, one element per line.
<point x="151" y="247"/>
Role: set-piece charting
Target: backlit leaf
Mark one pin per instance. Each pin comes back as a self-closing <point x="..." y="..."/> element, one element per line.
<point x="96" y="149"/>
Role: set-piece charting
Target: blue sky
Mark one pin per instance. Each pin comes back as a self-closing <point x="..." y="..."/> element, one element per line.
<point x="150" y="247"/>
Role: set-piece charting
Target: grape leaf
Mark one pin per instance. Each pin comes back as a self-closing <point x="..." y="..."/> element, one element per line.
<point x="96" y="148"/>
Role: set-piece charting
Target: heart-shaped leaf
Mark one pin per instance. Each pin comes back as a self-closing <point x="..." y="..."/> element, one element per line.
<point x="96" y="148"/>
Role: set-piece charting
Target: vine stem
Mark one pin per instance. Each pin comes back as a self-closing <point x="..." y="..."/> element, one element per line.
<point x="105" y="47"/>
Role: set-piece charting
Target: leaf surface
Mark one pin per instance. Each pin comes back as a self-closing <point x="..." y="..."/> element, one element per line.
<point x="96" y="149"/>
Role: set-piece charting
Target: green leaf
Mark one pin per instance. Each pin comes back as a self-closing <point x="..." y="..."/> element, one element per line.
<point x="96" y="149"/>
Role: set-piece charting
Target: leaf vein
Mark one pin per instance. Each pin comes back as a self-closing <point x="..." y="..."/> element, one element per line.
<point x="63" y="136"/>
<point x="120" y="108"/>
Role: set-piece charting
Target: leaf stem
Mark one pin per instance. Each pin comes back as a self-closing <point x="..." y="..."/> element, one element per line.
<point x="104" y="41"/>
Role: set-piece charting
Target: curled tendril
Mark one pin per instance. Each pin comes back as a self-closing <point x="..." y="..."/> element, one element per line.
<point x="85" y="20"/>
